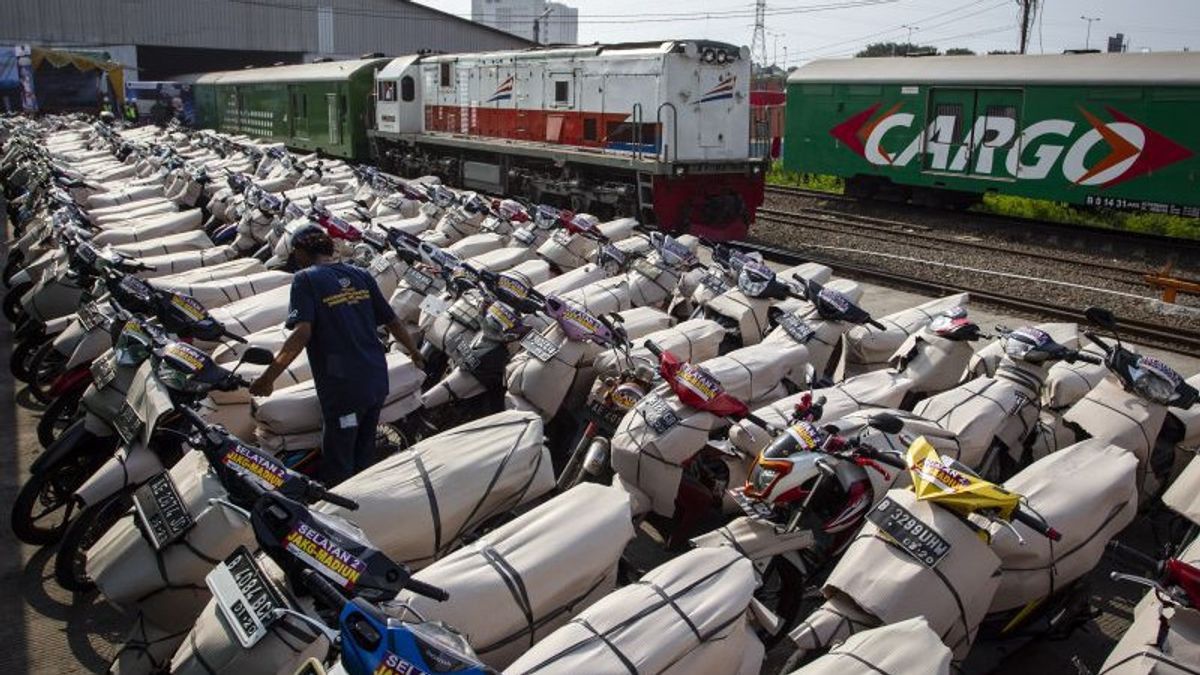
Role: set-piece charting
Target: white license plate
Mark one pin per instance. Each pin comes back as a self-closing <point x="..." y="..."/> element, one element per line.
<point x="380" y="265"/>
<point x="646" y="268"/>
<point x="434" y="305"/>
<point x="244" y="596"/>
<point x="164" y="516"/>
<point x="104" y="371"/>
<point x="562" y="238"/>
<point x="658" y="413"/>
<point x="541" y="348"/>
<point x="911" y="533"/>
<point x="127" y="423"/>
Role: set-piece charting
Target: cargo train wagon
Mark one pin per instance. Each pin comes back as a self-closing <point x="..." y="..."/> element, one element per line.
<point x="1101" y="130"/>
<point x="659" y="131"/>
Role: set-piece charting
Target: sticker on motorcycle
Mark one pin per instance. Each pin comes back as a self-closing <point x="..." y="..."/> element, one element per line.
<point x="254" y="466"/>
<point x="324" y="555"/>
<point x="912" y="534"/>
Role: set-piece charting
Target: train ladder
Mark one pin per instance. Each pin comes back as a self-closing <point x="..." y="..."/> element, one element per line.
<point x="1169" y="285"/>
<point x="645" y="192"/>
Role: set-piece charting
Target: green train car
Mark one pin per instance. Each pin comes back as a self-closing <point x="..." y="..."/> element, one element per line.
<point x="1103" y="130"/>
<point x="317" y="106"/>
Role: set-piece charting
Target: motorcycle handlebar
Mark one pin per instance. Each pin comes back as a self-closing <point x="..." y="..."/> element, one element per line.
<point x="1036" y="525"/>
<point x="1088" y="358"/>
<point x="892" y="460"/>
<point x="338" y="500"/>
<point x="428" y="590"/>
<point x="322" y="590"/>
<point x="876" y="324"/>
<point x="1097" y="340"/>
<point x="236" y="338"/>
<point x="654" y="349"/>
<point x="1133" y="556"/>
<point x="755" y="419"/>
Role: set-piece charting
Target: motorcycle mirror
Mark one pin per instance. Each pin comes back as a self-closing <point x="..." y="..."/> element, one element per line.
<point x="257" y="356"/>
<point x="886" y="422"/>
<point x="1101" y="317"/>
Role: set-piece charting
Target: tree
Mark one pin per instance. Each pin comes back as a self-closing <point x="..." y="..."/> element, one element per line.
<point x="959" y="51"/>
<point x="1001" y="51"/>
<point x="895" y="49"/>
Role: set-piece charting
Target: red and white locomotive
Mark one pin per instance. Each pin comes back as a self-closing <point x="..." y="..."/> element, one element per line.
<point x="659" y="131"/>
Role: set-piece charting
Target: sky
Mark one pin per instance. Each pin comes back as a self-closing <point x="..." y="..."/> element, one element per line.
<point x="802" y="30"/>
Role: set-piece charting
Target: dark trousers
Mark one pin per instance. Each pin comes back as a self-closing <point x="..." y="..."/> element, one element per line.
<point x="347" y="448"/>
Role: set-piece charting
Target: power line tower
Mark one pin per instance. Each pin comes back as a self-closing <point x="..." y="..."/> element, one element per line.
<point x="1028" y="12"/>
<point x="758" y="46"/>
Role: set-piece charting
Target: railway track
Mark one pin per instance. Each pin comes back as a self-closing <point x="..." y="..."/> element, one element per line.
<point x="1103" y="239"/>
<point x="1184" y="341"/>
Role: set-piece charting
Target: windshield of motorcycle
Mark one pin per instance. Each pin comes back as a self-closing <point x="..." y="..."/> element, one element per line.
<point x="511" y="289"/>
<point x="501" y="322"/>
<point x="1154" y="380"/>
<point x="835" y="306"/>
<point x="133" y="345"/>
<point x="800" y="437"/>
<point x="184" y="315"/>
<point x="1031" y="345"/>
<point x="952" y="323"/>
<point x="578" y="324"/>
<point x="187" y="369"/>
<point x="755" y="279"/>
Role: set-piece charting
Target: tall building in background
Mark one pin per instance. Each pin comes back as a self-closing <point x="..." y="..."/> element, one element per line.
<point x="560" y="26"/>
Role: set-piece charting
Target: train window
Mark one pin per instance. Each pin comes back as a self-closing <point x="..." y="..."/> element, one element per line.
<point x="817" y="90"/>
<point x="408" y="89"/>
<point x="387" y="91"/>
<point x="622" y="132"/>
<point x="589" y="128"/>
<point x="445" y="80"/>
<point x="1115" y="94"/>
<point x="864" y="90"/>
<point x="954" y="110"/>
<point x="562" y="92"/>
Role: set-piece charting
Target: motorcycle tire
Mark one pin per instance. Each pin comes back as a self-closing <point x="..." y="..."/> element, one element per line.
<point x="51" y="489"/>
<point x="790" y="606"/>
<point x="12" y="302"/>
<point x="70" y="562"/>
<point x="44" y="368"/>
<point x="60" y="414"/>
<point x="21" y="355"/>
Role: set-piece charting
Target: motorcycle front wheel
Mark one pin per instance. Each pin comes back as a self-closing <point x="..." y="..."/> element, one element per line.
<point x="70" y="563"/>
<point x="12" y="302"/>
<point x="43" y="508"/>
<point x="22" y="355"/>
<point x="60" y="415"/>
<point x="44" y="368"/>
<point x="782" y="592"/>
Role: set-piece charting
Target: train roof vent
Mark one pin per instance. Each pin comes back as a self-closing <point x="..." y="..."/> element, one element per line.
<point x="322" y="59"/>
<point x="372" y="55"/>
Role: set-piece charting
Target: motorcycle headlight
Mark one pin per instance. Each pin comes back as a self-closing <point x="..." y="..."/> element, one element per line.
<point x="1153" y="386"/>
<point x="763" y="477"/>
<point x="753" y="282"/>
<point x="177" y="380"/>
<point x="132" y="346"/>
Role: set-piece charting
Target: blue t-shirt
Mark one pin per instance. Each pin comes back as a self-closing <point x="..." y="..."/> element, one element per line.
<point x="344" y="305"/>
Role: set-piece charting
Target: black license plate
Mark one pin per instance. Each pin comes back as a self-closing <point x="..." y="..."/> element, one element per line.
<point x="751" y="507"/>
<point x="797" y="328"/>
<point x="541" y="348"/>
<point x="163" y="514"/>
<point x="103" y="372"/>
<point x="911" y="533"/>
<point x="244" y="596"/>
<point x="418" y="279"/>
<point x="127" y="423"/>
<point x="658" y="413"/>
<point x="605" y="416"/>
<point x="90" y="316"/>
<point x="714" y="283"/>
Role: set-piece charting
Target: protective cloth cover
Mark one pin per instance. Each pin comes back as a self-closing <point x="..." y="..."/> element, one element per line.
<point x="1190" y="419"/>
<point x="172" y="243"/>
<point x="213" y="294"/>
<point x="501" y="259"/>
<point x="238" y="267"/>
<point x="295" y="409"/>
<point x="146" y="649"/>
<point x="521" y="581"/>
<point x="988" y="357"/>
<point x="752" y="314"/>
<point x="602" y="297"/>
<point x="168" y="586"/>
<point x="130" y="214"/>
<point x="1139" y="651"/>
<point x="755" y="538"/>
<point x="578" y="249"/>
<point x="1067" y="383"/>
<point x="447" y="485"/>
<point x="255" y="313"/>
<point x="151" y="228"/>
<point x="649" y="464"/>
<point x="878" y="581"/>
<point x="909" y="647"/>
<point x="1119" y="417"/>
<point x="210" y="647"/>
<point x="183" y="261"/>
<point x="866" y="348"/>
<point x="476" y="245"/>
<point x="1098" y="501"/>
<point x="692" y="606"/>
<point x="1183" y="497"/>
<point x="693" y="340"/>
<point x="123" y="196"/>
<point x="569" y="281"/>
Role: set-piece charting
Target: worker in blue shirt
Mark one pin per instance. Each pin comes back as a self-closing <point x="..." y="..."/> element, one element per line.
<point x="335" y="310"/>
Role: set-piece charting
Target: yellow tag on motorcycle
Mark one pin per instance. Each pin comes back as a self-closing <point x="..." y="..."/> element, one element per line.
<point x="942" y="480"/>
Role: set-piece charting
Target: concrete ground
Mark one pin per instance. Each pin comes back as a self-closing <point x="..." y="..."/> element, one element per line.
<point x="46" y="630"/>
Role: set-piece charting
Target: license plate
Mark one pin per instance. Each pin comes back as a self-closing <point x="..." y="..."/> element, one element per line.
<point x="244" y="596"/>
<point x="417" y="279"/>
<point x="127" y="423"/>
<point x="468" y="358"/>
<point x="797" y="328"/>
<point x="562" y="238"/>
<point x="434" y="305"/>
<point x="714" y="283"/>
<point x="751" y="507"/>
<point x="911" y="533"/>
<point x="90" y="316"/>
<point x="607" y="417"/>
<point x="647" y="268"/>
<point x="380" y="265"/>
<point x="103" y="371"/>
<point x="524" y="236"/>
<point x="541" y="348"/>
<point x="164" y="516"/>
<point x="658" y="413"/>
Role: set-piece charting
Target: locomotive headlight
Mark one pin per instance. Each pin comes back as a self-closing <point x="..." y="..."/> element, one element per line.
<point x="710" y="55"/>
<point x="722" y="57"/>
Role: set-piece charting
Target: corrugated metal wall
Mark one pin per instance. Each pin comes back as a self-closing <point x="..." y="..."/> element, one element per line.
<point x="359" y="26"/>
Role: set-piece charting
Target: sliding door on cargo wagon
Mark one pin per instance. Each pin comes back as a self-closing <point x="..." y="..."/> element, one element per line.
<point x="969" y="132"/>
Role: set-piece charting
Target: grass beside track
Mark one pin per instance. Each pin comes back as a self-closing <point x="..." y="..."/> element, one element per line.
<point x="1023" y="207"/>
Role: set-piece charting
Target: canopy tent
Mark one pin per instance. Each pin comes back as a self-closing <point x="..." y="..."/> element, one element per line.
<point x="83" y="62"/>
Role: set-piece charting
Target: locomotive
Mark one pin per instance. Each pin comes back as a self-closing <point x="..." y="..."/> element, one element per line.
<point x="659" y="131"/>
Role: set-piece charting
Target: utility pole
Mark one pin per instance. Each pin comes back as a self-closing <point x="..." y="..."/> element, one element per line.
<point x="1028" y="12"/>
<point x="908" y="43"/>
<point x="1087" y="42"/>
<point x="758" y="46"/>
<point x="537" y="25"/>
